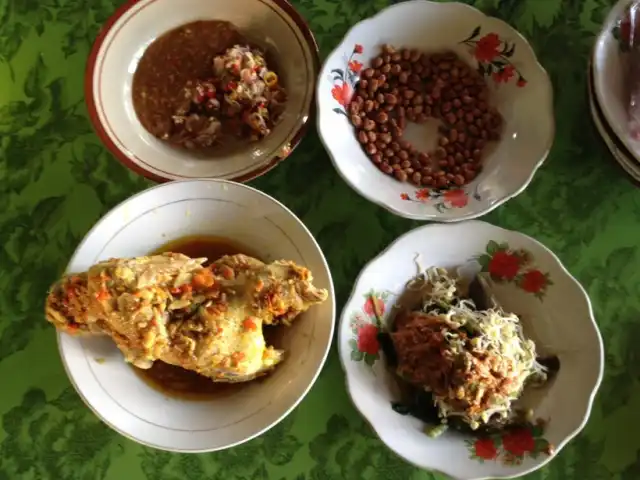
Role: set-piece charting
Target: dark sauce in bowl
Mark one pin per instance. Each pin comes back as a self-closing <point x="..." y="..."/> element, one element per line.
<point x="183" y="57"/>
<point x="176" y="382"/>
<point x="169" y="62"/>
<point x="209" y="246"/>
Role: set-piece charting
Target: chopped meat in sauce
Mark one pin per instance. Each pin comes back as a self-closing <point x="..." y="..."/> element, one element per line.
<point x="202" y="83"/>
<point x="467" y="379"/>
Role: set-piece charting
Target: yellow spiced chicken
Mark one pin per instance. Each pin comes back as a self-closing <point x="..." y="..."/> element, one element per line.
<point x="171" y="308"/>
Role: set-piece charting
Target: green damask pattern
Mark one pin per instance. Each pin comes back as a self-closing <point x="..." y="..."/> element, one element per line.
<point x="57" y="179"/>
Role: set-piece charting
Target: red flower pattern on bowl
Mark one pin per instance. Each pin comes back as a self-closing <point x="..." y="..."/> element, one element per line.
<point x="504" y="75"/>
<point x="493" y="55"/>
<point x="534" y="281"/>
<point x="368" y="339"/>
<point x="422" y="194"/>
<point x="504" y="265"/>
<point x="511" y="447"/>
<point x="342" y="94"/>
<point x="487" y="47"/>
<point x="442" y="200"/>
<point x="507" y="265"/>
<point x="519" y="442"/>
<point x="365" y="326"/>
<point x="344" y="81"/>
<point x="457" y="198"/>
<point x="485" y="448"/>
<point x="369" y="306"/>
<point x="355" y="66"/>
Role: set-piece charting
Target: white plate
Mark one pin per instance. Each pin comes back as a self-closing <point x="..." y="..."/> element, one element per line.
<point x="120" y="45"/>
<point x="556" y="314"/>
<point x="428" y="26"/>
<point x="609" y="81"/>
<point x="618" y="150"/>
<point x="141" y="225"/>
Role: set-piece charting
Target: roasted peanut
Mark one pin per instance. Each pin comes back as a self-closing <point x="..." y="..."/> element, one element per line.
<point x="408" y="85"/>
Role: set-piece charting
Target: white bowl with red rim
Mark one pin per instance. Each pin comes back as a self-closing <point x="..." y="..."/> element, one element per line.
<point x="527" y="279"/>
<point x="274" y="24"/>
<point x="520" y="89"/>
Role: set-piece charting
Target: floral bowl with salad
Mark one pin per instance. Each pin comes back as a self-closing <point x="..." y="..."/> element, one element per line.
<point x="471" y="351"/>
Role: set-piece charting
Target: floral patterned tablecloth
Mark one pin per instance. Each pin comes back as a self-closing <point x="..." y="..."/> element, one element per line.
<point x="57" y="180"/>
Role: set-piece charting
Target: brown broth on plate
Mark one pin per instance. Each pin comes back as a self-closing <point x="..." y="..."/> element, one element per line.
<point x="209" y="246"/>
<point x="177" y="382"/>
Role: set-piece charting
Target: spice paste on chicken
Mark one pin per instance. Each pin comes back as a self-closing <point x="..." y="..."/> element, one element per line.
<point x="171" y="308"/>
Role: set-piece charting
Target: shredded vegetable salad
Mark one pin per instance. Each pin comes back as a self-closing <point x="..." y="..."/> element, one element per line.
<point x="484" y="358"/>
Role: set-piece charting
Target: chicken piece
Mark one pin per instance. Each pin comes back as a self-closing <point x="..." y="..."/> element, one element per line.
<point x="123" y="298"/>
<point x="67" y="306"/>
<point x="170" y="308"/>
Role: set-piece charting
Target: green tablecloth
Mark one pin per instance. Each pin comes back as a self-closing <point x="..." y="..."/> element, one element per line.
<point x="57" y="180"/>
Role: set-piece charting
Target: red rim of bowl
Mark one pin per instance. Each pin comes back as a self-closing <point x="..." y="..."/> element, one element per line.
<point x="90" y="100"/>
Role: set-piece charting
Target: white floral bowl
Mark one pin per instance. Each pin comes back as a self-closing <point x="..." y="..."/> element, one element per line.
<point x="520" y="89"/>
<point x="275" y="24"/>
<point x="528" y="280"/>
<point x="610" y="62"/>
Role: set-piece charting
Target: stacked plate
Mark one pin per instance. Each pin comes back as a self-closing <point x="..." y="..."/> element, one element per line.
<point x="608" y="90"/>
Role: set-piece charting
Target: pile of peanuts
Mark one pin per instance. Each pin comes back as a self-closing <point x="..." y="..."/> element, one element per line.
<point x="410" y="86"/>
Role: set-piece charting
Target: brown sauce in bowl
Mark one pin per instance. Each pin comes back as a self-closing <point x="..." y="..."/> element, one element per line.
<point x="170" y="61"/>
<point x="176" y="382"/>
<point x="182" y="99"/>
<point x="211" y="247"/>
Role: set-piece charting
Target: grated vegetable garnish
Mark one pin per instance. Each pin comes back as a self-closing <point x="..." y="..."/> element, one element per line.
<point x="496" y="358"/>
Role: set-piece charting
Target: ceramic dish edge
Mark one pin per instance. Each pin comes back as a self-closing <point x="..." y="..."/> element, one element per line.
<point x="433" y="217"/>
<point x="616" y="147"/>
<point x="577" y="284"/>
